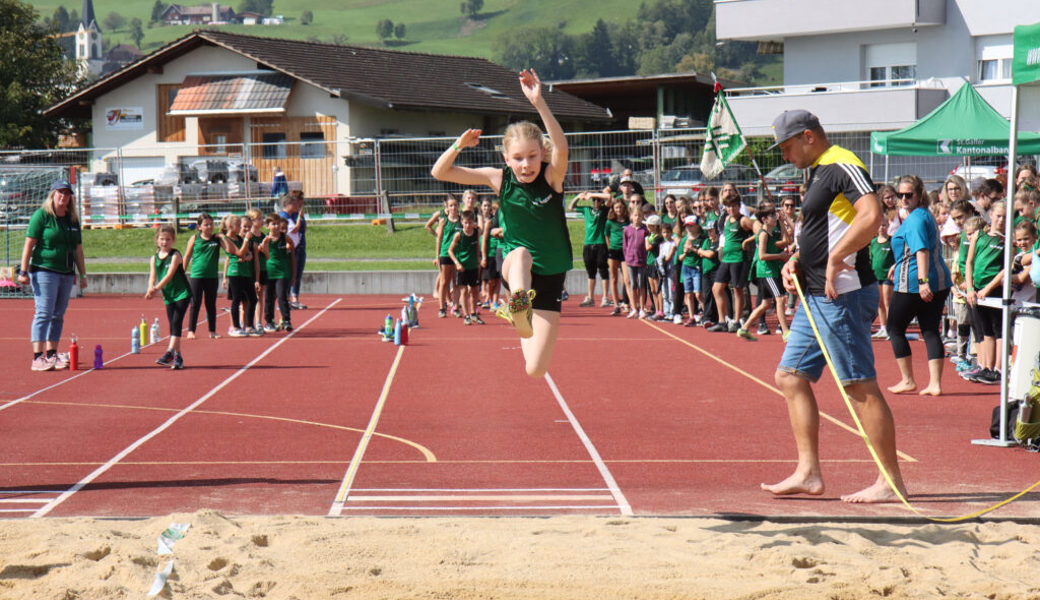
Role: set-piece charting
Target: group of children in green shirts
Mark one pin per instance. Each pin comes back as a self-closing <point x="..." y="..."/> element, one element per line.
<point x="257" y="266"/>
<point x="685" y="256"/>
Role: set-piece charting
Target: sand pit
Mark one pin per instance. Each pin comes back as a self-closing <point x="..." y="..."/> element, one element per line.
<point x="555" y="558"/>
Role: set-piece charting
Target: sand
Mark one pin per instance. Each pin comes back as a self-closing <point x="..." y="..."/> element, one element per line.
<point x="293" y="557"/>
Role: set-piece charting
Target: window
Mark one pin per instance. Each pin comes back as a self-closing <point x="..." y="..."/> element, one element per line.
<point x="886" y="63"/>
<point x="274" y="145"/>
<point x="312" y="144"/>
<point x="995" y="69"/>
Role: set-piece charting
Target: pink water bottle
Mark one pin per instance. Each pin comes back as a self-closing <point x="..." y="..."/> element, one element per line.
<point x="99" y="362"/>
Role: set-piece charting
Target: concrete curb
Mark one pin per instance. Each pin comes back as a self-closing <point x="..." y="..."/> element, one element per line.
<point x="323" y="282"/>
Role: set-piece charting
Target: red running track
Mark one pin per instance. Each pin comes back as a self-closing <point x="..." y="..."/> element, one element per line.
<point x="634" y="418"/>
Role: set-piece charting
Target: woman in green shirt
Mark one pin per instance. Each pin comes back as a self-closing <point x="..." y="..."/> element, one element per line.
<point x="53" y="251"/>
<point x="535" y="241"/>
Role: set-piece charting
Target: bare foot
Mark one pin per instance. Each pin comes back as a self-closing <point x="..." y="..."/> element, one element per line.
<point x="191" y="335"/>
<point x="931" y="390"/>
<point x="796" y="484"/>
<point x="877" y="493"/>
<point x="903" y="386"/>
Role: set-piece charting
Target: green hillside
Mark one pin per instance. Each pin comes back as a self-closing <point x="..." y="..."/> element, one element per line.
<point x="435" y="26"/>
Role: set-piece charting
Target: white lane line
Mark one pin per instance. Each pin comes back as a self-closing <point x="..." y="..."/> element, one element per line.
<point x="556" y="507"/>
<point x="359" y="452"/>
<point x="134" y="446"/>
<point x="619" y="497"/>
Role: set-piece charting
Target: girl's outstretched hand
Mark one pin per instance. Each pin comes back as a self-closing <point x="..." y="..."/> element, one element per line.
<point x="531" y="85"/>
<point x="469" y="138"/>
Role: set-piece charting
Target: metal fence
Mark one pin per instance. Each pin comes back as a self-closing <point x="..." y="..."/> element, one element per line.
<point x="359" y="179"/>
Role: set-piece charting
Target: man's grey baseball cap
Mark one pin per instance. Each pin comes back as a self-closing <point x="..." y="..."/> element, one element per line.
<point x="791" y="123"/>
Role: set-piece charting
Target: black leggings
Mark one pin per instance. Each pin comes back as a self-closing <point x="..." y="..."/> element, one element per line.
<point x="203" y="289"/>
<point x="242" y="290"/>
<point x="175" y="312"/>
<point x="276" y="288"/>
<point x="903" y="308"/>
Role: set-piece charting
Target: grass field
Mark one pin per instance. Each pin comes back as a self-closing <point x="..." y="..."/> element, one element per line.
<point x="434" y="26"/>
<point x="335" y="247"/>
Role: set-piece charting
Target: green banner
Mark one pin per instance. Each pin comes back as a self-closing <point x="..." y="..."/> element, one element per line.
<point x="1025" y="67"/>
<point x="723" y="140"/>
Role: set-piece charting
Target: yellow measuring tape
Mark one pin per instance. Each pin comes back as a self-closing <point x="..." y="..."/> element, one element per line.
<point x="870" y="446"/>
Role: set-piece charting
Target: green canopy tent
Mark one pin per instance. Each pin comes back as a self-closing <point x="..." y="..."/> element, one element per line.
<point x="964" y="125"/>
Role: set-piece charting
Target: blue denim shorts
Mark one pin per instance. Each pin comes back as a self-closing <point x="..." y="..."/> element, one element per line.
<point x="691" y="279"/>
<point x="844" y="325"/>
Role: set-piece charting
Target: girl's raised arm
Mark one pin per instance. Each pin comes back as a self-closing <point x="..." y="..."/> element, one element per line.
<point x="557" y="170"/>
<point x="446" y="170"/>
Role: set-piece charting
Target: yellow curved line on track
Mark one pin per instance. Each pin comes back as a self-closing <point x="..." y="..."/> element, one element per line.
<point x="769" y="387"/>
<point x="426" y="452"/>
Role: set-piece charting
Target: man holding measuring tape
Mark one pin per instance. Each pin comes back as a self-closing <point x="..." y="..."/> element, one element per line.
<point x="841" y="214"/>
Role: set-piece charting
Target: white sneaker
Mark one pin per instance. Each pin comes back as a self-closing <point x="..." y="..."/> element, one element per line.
<point x="42" y="363"/>
<point x="237" y="332"/>
<point x="642" y="314"/>
<point x="880" y="334"/>
<point x="677" y="319"/>
<point x="632" y="314"/>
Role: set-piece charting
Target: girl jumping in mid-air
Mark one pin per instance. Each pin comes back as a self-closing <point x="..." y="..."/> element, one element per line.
<point x="535" y="243"/>
<point x="166" y="276"/>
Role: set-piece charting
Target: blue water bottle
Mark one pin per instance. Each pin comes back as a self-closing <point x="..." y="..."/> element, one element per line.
<point x="135" y="340"/>
<point x="99" y="361"/>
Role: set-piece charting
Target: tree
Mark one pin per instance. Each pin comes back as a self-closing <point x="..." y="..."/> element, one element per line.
<point x="157" y="10"/>
<point x="263" y="7"/>
<point x="545" y="49"/>
<point x="399" y="31"/>
<point x="136" y="31"/>
<point x="35" y="75"/>
<point x="384" y="29"/>
<point x="471" y="8"/>
<point x="594" y="53"/>
<point x="60" y="20"/>
<point x="114" y="21"/>
<point x="306" y="18"/>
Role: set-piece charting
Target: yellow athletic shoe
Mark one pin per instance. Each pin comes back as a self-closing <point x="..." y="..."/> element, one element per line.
<point x="518" y="311"/>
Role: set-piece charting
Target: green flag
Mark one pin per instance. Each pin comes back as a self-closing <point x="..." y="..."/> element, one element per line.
<point x="722" y="139"/>
<point x="1025" y="66"/>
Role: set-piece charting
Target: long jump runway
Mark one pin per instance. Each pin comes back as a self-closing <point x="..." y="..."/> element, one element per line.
<point x="634" y="418"/>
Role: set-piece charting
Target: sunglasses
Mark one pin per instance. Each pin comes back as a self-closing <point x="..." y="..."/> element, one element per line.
<point x="904" y="195"/>
<point x="786" y="205"/>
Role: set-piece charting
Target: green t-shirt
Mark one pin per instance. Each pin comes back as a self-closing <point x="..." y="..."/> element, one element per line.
<point x="615" y="233"/>
<point x="177" y="288"/>
<point x="205" y="258"/>
<point x="881" y="258"/>
<point x="989" y="259"/>
<point x="532" y="216"/>
<point x="769" y="268"/>
<point x="240" y="267"/>
<point x="692" y="259"/>
<point x="595" y="223"/>
<point x="56" y="242"/>
<point x="277" y="262"/>
<point x="732" y="250"/>
<point x="467" y="249"/>
<point x="255" y="242"/>
<point x="709" y="264"/>
<point x="448" y="234"/>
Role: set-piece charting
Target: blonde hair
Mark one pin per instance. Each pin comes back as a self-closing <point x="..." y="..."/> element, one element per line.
<point x="254" y="214"/>
<point x="527" y="130"/>
<point x="70" y="212"/>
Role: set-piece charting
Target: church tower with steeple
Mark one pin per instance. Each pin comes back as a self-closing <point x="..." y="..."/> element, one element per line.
<point x="88" y="42"/>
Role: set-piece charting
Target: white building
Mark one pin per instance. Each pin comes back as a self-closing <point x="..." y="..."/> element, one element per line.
<point x="878" y="65"/>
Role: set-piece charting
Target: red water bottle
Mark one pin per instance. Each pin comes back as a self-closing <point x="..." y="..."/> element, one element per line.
<point x="404" y="333"/>
<point x="73" y="355"/>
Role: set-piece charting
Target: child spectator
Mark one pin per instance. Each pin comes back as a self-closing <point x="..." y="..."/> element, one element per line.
<point x="203" y="256"/>
<point x="709" y="253"/>
<point x="256" y="237"/>
<point x="984" y="262"/>
<point x="690" y="259"/>
<point x="446" y="229"/>
<point x="278" y="249"/>
<point x="881" y="261"/>
<point x="464" y="251"/>
<point x="653" y="275"/>
<point x="733" y="267"/>
<point x="594" y="251"/>
<point x="767" y="270"/>
<point x="613" y="232"/>
<point x="634" y="249"/>
<point x="166" y="275"/>
<point x="665" y="263"/>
